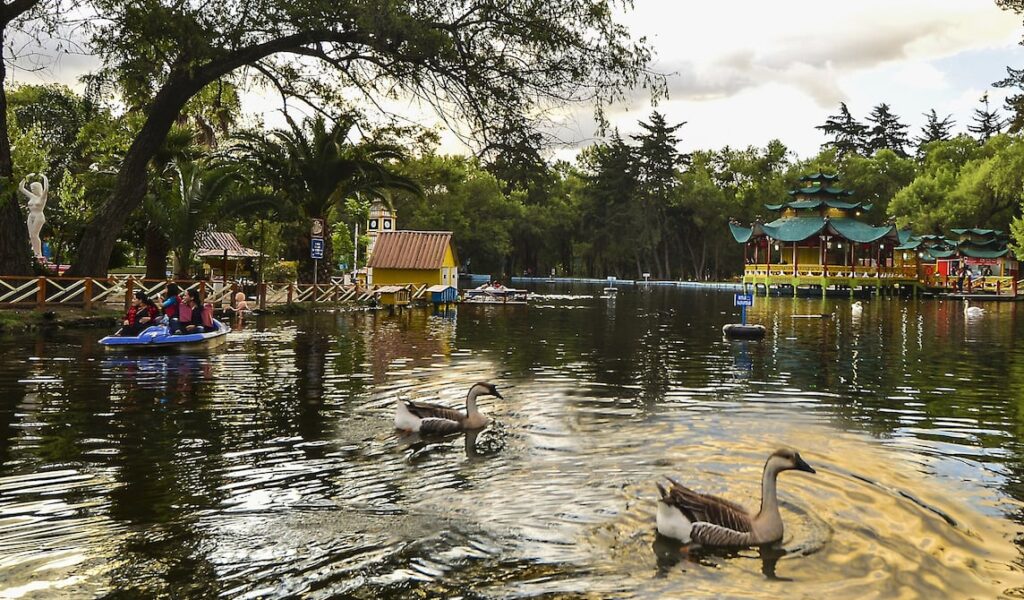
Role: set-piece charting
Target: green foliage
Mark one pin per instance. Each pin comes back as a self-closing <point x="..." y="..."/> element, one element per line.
<point x="886" y="132"/>
<point x="197" y="193"/>
<point x="987" y="121"/>
<point x="313" y="170"/>
<point x="460" y="196"/>
<point x="849" y="136"/>
<point x="963" y="185"/>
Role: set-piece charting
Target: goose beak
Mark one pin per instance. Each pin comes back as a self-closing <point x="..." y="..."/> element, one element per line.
<point x="494" y="392"/>
<point x="801" y="465"/>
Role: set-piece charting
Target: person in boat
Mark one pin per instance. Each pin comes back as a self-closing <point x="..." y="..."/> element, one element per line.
<point x="150" y="313"/>
<point x="170" y="305"/>
<point x="196" y="323"/>
<point x="138" y="316"/>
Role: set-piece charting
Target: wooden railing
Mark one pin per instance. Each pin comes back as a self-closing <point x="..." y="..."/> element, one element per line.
<point x="118" y="290"/>
<point x="783" y="270"/>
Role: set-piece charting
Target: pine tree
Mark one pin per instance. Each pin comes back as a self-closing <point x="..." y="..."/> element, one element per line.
<point x="847" y="133"/>
<point x="935" y="130"/>
<point x="886" y="132"/>
<point x="987" y="121"/>
<point x="1014" y="103"/>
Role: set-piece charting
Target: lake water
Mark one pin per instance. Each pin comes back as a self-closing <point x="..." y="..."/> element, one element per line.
<point x="270" y="467"/>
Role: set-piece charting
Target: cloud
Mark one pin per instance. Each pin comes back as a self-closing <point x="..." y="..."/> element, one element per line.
<point x="720" y="51"/>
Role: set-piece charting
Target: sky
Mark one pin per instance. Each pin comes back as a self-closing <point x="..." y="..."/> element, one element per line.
<point x="742" y="72"/>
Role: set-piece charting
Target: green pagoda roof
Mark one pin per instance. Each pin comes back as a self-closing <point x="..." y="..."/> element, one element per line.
<point x="819" y="177"/>
<point x="982" y="253"/>
<point x="798" y="229"/>
<point x="809" y="204"/>
<point x="818" y="190"/>
<point x="981" y="232"/>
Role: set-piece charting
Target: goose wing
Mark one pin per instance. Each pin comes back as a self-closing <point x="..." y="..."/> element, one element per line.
<point x="435" y="426"/>
<point x="709" y="534"/>
<point x="425" y="410"/>
<point x="708" y="509"/>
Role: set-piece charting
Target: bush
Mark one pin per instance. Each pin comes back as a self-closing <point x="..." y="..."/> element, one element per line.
<point x="286" y="271"/>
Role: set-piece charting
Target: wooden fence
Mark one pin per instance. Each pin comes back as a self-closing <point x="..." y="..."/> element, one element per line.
<point x="116" y="291"/>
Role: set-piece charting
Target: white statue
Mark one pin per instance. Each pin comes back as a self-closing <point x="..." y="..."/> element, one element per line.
<point x="36" y="194"/>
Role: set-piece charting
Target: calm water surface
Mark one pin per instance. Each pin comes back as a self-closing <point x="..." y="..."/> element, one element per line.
<point x="270" y="468"/>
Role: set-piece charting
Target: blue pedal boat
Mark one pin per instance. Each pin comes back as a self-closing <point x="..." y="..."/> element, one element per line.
<point x="158" y="336"/>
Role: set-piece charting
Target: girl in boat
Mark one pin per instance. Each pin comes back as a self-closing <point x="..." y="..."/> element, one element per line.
<point x="141" y="314"/>
<point x="197" y="322"/>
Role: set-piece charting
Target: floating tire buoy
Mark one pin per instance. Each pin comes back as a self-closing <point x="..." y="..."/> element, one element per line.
<point x="740" y="331"/>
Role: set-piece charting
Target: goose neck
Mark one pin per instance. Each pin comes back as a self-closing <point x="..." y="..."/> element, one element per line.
<point x="769" y="494"/>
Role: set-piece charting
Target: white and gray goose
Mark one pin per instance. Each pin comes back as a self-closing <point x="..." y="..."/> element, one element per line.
<point x="707" y="520"/>
<point x="435" y="419"/>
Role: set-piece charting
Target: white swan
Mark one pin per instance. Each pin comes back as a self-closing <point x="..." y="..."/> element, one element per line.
<point x="972" y="311"/>
<point x="857" y="308"/>
<point x="689" y="516"/>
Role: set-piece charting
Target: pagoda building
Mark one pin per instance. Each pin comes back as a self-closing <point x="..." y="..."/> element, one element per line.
<point x="820" y="239"/>
<point x="985" y="253"/>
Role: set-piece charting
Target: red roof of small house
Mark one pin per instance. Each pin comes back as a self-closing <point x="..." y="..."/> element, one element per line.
<point x="410" y="250"/>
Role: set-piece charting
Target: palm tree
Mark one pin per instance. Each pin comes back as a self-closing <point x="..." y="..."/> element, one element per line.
<point x="316" y="169"/>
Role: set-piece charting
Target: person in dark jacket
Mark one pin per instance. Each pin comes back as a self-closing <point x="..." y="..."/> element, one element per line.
<point x="139" y="315"/>
<point x="195" y="324"/>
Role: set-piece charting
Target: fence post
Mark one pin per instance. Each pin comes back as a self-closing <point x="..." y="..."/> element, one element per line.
<point x="129" y="291"/>
<point x="261" y="295"/>
<point x="87" y="294"/>
<point x="291" y="291"/>
<point x="40" y="292"/>
<point x="202" y="289"/>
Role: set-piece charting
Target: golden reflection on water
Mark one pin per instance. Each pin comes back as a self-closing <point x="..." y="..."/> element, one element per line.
<point x="271" y="469"/>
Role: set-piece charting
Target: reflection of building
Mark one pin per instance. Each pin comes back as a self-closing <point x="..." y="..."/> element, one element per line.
<point x="413" y="257"/>
<point x="985" y="252"/>
<point x="819" y="241"/>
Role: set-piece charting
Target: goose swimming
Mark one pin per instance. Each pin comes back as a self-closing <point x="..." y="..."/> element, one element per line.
<point x="435" y="419"/>
<point x="690" y="516"/>
<point x="857" y="307"/>
<point x="972" y="311"/>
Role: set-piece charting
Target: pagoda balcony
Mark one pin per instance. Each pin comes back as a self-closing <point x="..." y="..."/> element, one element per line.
<point x="758" y="272"/>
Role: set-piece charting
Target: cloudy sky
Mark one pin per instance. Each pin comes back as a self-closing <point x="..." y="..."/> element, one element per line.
<point x="742" y="72"/>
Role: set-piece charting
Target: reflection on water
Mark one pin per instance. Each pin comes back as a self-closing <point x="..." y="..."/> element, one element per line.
<point x="269" y="468"/>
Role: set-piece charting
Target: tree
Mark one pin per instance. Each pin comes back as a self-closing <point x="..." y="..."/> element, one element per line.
<point x="479" y="62"/>
<point x="987" y="121"/>
<point x="316" y="169"/>
<point x="198" y="194"/>
<point x="934" y="130"/>
<point x="460" y="196"/>
<point x="657" y="163"/>
<point x="609" y="214"/>
<point x="887" y="132"/>
<point x="30" y="19"/>
<point x="1015" y="102"/>
<point x="848" y="134"/>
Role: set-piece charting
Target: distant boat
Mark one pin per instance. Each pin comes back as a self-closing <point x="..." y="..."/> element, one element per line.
<point x="496" y="294"/>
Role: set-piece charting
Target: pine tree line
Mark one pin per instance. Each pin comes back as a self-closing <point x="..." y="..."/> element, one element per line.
<point x="883" y="129"/>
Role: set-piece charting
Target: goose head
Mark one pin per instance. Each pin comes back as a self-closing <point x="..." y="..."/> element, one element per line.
<point x="785" y="459"/>
<point x="484" y="389"/>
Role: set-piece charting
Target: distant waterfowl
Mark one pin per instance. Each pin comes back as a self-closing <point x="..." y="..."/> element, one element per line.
<point x="435" y="419"/>
<point x="857" y="308"/>
<point x="707" y="520"/>
<point x="972" y="311"/>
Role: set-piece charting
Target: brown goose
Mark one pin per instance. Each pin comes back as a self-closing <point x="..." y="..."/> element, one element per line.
<point x="689" y="516"/>
<point x="435" y="419"/>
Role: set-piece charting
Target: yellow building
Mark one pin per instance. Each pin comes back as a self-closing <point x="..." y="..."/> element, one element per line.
<point x="413" y="257"/>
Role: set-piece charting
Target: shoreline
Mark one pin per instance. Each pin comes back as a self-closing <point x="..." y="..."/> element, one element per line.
<point x="19" y="320"/>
